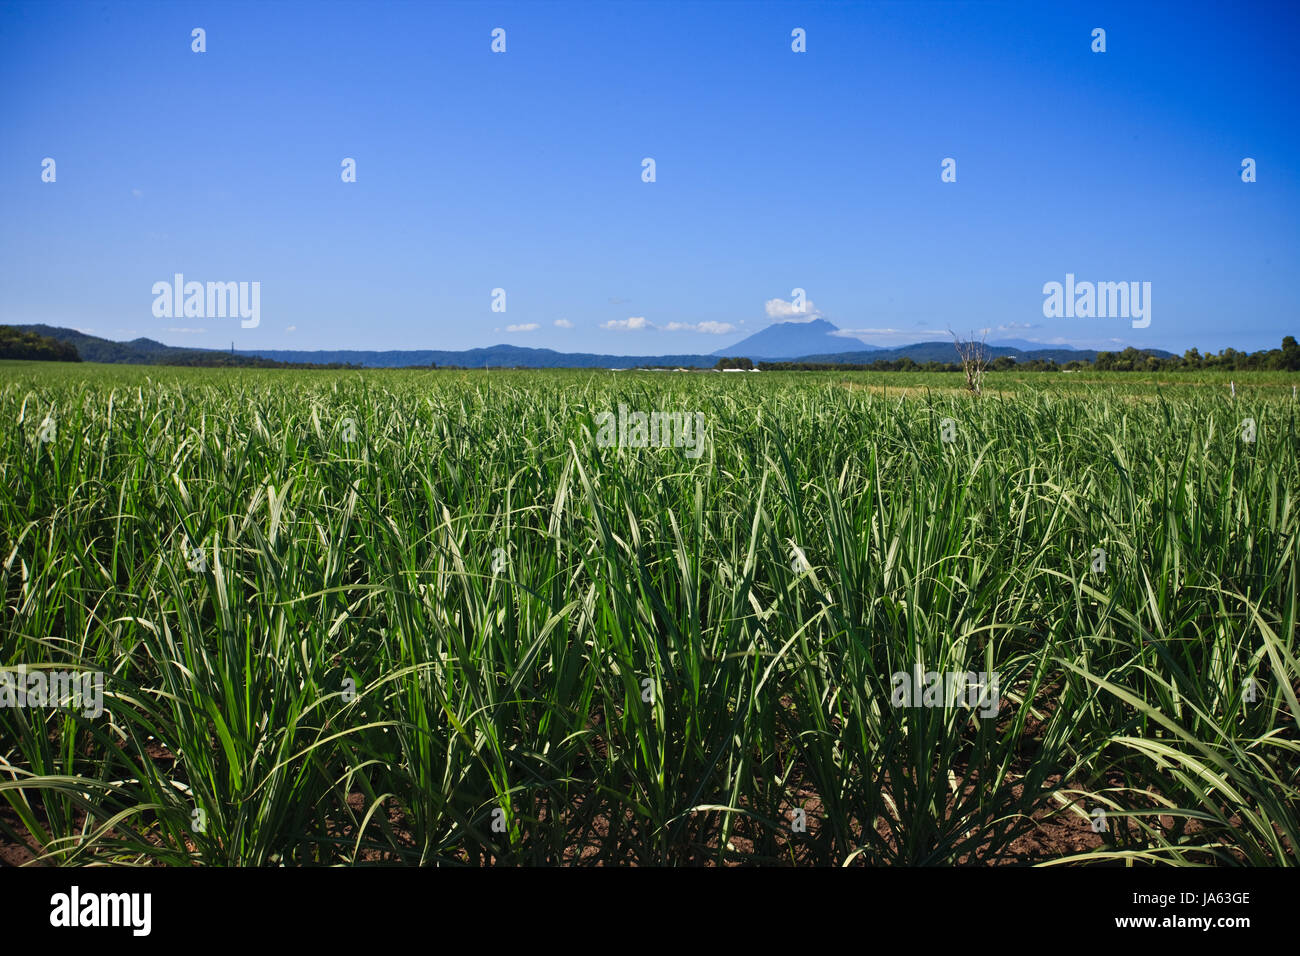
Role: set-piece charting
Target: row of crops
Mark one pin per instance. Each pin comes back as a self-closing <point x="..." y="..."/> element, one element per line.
<point x="425" y="617"/>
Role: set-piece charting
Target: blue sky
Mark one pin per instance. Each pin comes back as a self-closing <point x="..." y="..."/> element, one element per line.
<point x="775" y="170"/>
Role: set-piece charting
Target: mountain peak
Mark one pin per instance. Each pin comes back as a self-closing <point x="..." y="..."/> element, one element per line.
<point x="790" y="340"/>
<point x="819" y="325"/>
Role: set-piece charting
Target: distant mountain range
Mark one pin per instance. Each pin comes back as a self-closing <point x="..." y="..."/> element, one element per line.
<point x="92" y="348"/>
<point x="786" y="341"/>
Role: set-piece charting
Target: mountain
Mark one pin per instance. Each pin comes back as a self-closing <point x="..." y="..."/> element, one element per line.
<point x="91" y="348"/>
<point x="1027" y="346"/>
<point x="144" y="351"/>
<point x="946" y="352"/>
<point x="513" y="355"/>
<point x="496" y="356"/>
<point x="789" y="340"/>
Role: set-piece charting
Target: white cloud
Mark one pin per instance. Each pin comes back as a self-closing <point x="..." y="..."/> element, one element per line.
<point x="86" y="331"/>
<point x="634" y="323"/>
<point x="639" y="323"/>
<point x="708" y="328"/>
<point x="292" y="328"/>
<point x="525" y="327"/>
<point x="785" y="311"/>
<point x="563" y="324"/>
<point x="188" y="331"/>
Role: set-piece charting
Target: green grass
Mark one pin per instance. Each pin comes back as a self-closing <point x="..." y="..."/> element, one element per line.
<point x="500" y="713"/>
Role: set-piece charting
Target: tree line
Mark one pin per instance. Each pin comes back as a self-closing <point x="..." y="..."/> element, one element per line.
<point x="21" y="344"/>
<point x="1286" y="359"/>
<point x="18" y="343"/>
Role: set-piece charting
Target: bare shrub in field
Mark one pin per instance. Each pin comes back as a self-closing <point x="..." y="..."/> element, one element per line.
<point x="974" y="360"/>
